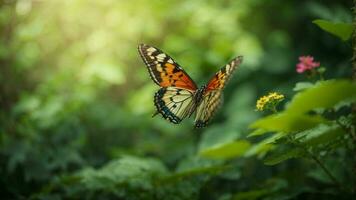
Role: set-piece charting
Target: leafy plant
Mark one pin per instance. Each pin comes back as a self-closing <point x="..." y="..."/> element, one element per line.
<point x="76" y="101"/>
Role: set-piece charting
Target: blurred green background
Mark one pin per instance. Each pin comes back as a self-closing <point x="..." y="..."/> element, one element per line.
<point x="75" y="94"/>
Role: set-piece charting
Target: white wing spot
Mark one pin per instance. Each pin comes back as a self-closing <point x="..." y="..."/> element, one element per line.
<point x="159" y="68"/>
<point x="227" y="67"/>
<point x="162" y="55"/>
<point x="151" y="49"/>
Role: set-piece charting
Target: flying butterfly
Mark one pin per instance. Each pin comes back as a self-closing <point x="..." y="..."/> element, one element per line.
<point x="179" y="97"/>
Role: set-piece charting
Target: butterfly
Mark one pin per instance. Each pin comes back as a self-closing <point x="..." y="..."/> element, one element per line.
<point x="179" y="97"/>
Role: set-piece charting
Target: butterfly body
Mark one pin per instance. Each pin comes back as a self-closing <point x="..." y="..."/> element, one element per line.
<point x="198" y="96"/>
<point x="179" y="97"/>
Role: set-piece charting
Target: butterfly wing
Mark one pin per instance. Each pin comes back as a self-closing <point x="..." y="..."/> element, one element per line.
<point x="223" y="75"/>
<point x="174" y="103"/>
<point x="212" y="95"/>
<point x="207" y="108"/>
<point x="163" y="70"/>
<point x="175" y="98"/>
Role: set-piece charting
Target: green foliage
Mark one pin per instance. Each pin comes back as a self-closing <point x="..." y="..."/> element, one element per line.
<point x="285" y="122"/>
<point x="339" y="29"/>
<point x="311" y="131"/>
<point x="283" y="156"/>
<point x="302" y="86"/>
<point x="227" y="150"/>
<point x="318" y="138"/>
<point x="136" y="172"/>
<point x="76" y="101"/>
<point x="325" y="94"/>
<point x="132" y="178"/>
<point x="264" y="146"/>
<point x="322" y="135"/>
<point x="275" y="186"/>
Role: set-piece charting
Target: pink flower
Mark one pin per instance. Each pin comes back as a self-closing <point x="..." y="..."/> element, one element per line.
<point x="306" y="63"/>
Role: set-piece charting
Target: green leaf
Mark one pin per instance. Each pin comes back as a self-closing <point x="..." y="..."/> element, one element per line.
<point x="178" y="176"/>
<point x="339" y="29"/>
<point x="252" y="194"/>
<point x="127" y="170"/>
<point x="227" y="150"/>
<point x="321" y="69"/>
<point x="321" y="135"/>
<point x="286" y="122"/>
<point x="343" y="103"/>
<point x="267" y="191"/>
<point x="325" y="94"/>
<point x="282" y="156"/>
<point x="302" y="86"/>
<point x="257" y="132"/>
<point x="264" y="146"/>
<point x="213" y="137"/>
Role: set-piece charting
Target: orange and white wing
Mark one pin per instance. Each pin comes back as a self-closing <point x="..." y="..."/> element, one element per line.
<point x="163" y="70"/>
<point x="174" y="101"/>
<point x="212" y="96"/>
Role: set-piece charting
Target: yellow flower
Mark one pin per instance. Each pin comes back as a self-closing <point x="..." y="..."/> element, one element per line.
<point x="269" y="101"/>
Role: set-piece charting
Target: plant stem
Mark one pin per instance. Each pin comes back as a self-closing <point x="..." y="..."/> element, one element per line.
<point x="347" y="129"/>
<point x="321" y="164"/>
<point x="321" y="76"/>
<point x="273" y="109"/>
<point x="353" y="61"/>
<point x="316" y="159"/>
<point x="354" y="45"/>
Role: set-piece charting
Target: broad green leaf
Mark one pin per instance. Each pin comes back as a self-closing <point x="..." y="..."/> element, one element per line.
<point x="264" y="146"/>
<point x="257" y="132"/>
<point x="319" y="175"/>
<point x="302" y="86"/>
<point x="339" y="29"/>
<point x="269" y="188"/>
<point x="286" y="122"/>
<point x="252" y="194"/>
<point x="178" y="176"/>
<point x="227" y="150"/>
<point x="321" y="135"/>
<point x="128" y="169"/>
<point x="282" y="156"/>
<point x="343" y="103"/>
<point x="213" y="137"/>
<point x="325" y="94"/>
<point x="196" y="162"/>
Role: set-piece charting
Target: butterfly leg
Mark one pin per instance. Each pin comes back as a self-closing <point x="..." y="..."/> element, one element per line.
<point x="154" y="114"/>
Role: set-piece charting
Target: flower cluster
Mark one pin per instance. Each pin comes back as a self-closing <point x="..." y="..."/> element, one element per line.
<point x="269" y="101"/>
<point x="306" y="63"/>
